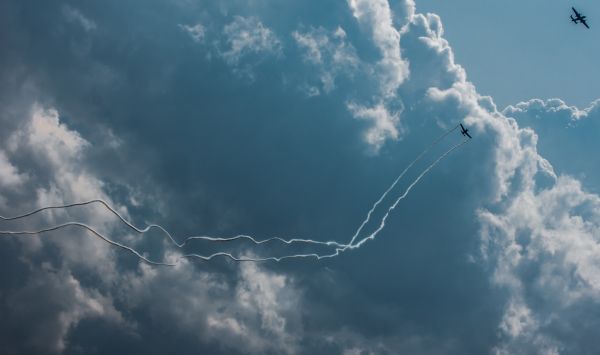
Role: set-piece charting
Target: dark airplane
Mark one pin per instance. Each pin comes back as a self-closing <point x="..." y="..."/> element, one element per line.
<point x="578" y="18"/>
<point x="464" y="131"/>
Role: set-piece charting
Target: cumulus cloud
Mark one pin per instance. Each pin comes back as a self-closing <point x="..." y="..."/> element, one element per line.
<point x="389" y="72"/>
<point x="49" y="306"/>
<point x="248" y="35"/>
<point x="376" y="16"/>
<point x="258" y="313"/>
<point x="383" y="123"/>
<point x="331" y="53"/>
<point x="53" y="154"/>
<point x="541" y="235"/>
<point x="565" y="133"/>
<point x="537" y="227"/>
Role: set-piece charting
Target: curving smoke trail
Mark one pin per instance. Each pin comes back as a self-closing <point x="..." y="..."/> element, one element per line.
<point x="433" y="144"/>
<point x="347" y="246"/>
<point x="146" y="229"/>
<point x="392" y="207"/>
<point x="340" y="247"/>
<point x="95" y="233"/>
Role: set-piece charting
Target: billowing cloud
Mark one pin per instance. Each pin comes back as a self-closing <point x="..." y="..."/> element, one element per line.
<point x="540" y="236"/>
<point x="565" y="132"/>
<point x="48" y="307"/>
<point x="258" y="313"/>
<point x="376" y="16"/>
<point x="494" y="251"/>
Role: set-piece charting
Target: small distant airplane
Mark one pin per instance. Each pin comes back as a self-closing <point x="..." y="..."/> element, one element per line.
<point x="578" y="18"/>
<point x="464" y="131"/>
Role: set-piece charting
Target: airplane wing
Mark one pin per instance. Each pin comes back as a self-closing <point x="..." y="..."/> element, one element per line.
<point x="461" y="126"/>
<point x="468" y="135"/>
<point x="584" y="23"/>
<point x="575" y="11"/>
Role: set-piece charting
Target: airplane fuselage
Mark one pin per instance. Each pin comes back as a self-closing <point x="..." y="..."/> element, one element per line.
<point x="578" y="18"/>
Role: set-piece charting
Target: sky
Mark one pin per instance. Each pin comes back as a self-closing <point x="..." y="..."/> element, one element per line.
<point x="515" y="50"/>
<point x="290" y="121"/>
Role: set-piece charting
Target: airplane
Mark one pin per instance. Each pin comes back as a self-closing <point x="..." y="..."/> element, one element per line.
<point x="464" y="131"/>
<point x="579" y="18"/>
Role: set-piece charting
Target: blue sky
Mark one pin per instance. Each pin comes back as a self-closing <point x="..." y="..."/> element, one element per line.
<point x="228" y="118"/>
<point x="515" y="51"/>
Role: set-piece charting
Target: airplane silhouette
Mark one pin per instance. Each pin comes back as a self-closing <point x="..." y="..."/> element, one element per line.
<point x="579" y="18"/>
<point x="464" y="131"/>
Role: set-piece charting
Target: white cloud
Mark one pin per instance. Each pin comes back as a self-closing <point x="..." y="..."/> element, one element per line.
<point x="247" y="35"/>
<point x="197" y="31"/>
<point x="539" y="231"/>
<point x="75" y="16"/>
<point x="540" y="240"/>
<point x="256" y="314"/>
<point x="566" y="135"/>
<point x="377" y="17"/>
<point x="51" y="304"/>
<point x="389" y="72"/>
<point x="331" y="53"/>
<point x="55" y="156"/>
<point x="47" y="137"/>
<point x="9" y="174"/>
<point x="538" y="106"/>
<point x="383" y="123"/>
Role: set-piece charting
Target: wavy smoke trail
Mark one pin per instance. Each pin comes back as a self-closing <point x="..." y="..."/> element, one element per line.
<point x="339" y="246"/>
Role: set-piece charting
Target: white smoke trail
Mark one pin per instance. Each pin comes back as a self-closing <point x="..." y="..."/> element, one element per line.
<point x="93" y="231"/>
<point x="392" y="207"/>
<point x="165" y="231"/>
<point x="339" y="247"/>
<point x="143" y="230"/>
<point x="347" y="246"/>
<point x="433" y="144"/>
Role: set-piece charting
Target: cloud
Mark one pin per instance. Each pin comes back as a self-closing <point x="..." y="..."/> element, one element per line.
<point x="75" y="16"/>
<point x="48" y="307"/>
<point x="331" y="53"/>
<point x="565" y="133"/>
<point x="533" y="288"/>
<point x="540" y="235"/>
<point x="389" y="72"/>
<point x="197" y="31"/>
<point x="53" y="156"/>
<point x="257" y="313"/>
<point x="376" y="16"/>
<point x="247" y="35"/>
<point x="383" y="123"/>
<point x="9" y="174"/>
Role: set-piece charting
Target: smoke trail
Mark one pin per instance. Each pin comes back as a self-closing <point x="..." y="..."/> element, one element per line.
<point x="340" y="247"/>
<point x="140" y="230"/>
<point x="433" y="144"/>
<point x="96" y="233"/>
<point x="392" y="207"/>
<point x="143" y="230"/>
